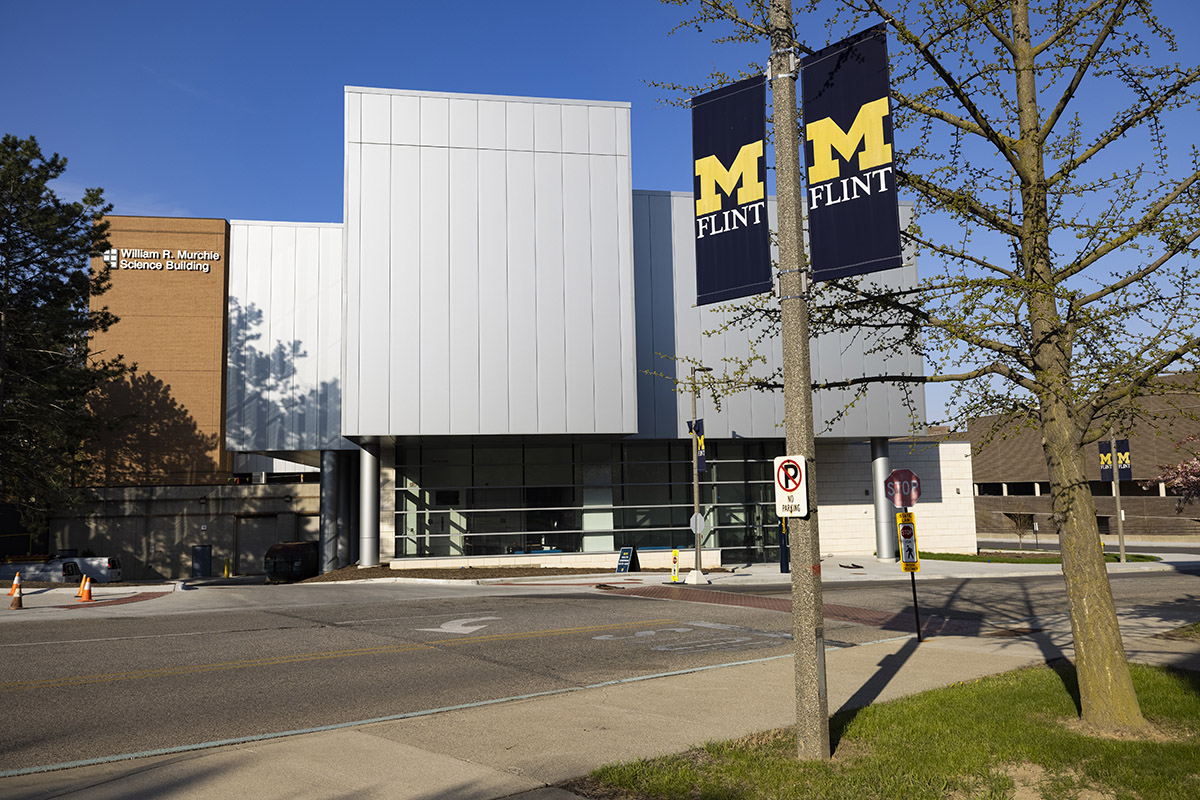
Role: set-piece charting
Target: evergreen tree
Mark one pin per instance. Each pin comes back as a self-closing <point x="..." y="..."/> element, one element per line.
<point x="47" y="374"/>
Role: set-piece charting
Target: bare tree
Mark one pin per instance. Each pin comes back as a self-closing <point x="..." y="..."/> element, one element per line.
<point x="1057" y="233"/>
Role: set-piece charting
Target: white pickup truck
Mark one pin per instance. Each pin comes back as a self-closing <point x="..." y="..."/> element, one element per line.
<point x="61" y="569"/>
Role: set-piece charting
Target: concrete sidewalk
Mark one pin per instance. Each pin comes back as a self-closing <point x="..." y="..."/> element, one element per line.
<point x="523" y="747"/>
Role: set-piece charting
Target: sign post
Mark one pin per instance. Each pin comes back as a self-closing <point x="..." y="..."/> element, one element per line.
<point x="1115" y="452"/>
<point x="696" y="427"/>
<point x="910" y="559"/>
<point x="851" y="67"/>
<point x="675" y="566"/>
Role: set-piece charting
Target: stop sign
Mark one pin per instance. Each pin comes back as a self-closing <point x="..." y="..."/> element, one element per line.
<point x="902" y="487"/>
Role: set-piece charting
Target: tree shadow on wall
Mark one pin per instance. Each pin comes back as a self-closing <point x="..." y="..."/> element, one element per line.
<point x="276" y="402"/>
<point x="150" y="437"/>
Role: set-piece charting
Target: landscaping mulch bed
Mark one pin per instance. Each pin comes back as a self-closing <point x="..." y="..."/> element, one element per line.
<point x="461" y="573"/>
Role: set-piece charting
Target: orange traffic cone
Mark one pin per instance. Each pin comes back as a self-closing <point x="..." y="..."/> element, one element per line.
<point x="16" y="603"/>
<point x="87" y="590"/>
<point x="82" y="581"/>
<point x="16" y="587"/>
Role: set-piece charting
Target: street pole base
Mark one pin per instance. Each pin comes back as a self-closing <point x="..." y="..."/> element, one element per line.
<point x="696" y="577"/>
<point x="889" y="560"/>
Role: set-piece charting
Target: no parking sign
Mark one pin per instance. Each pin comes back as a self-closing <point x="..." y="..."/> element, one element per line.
<point x="791" y="487"/>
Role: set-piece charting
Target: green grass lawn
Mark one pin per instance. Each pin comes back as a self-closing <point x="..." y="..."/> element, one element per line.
<point x="1005" y="736"/>
<point x="1032" y="558"/>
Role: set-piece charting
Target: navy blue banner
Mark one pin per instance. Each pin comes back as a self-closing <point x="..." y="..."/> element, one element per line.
<point x="696" y="428"/>
<point x="733" y="246"/>
<point x="853" y="211"/>
<point x="1124" y="464"/>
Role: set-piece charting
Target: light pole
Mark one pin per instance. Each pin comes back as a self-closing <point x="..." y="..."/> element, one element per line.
<point x="697" y="575"/>
<point x="808" y="616"/>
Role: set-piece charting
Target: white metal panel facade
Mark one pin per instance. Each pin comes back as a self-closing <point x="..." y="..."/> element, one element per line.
<point x="284" y="357"/>
<point x="673" y="325"/>
<point x="489" y="266"/>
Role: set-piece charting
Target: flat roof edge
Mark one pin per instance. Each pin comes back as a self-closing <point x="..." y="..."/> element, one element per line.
<point x="503" y="97"/>
<point x="281" y="223"/>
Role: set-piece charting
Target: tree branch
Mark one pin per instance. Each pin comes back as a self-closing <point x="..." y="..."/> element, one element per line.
<point x="1125" y="125"/>
<point x="953" y="85"/>
<point x="1068" y="25"/>
<point x="991" y="26"/>
<point x="1137" y="229"/>
<point x="1000" y="370"/>
<point x="954" y="253"/>
<point x="905" y="101"/>
<point x="962" y="200"/>
<point x="1120" y="391"/>
<point x="1145" y="271"/>
<point x="1081" y="70"/>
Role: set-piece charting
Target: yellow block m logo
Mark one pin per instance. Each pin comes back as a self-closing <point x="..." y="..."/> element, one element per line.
<point x="712" y="173"/>
<point x="827" y="136"/>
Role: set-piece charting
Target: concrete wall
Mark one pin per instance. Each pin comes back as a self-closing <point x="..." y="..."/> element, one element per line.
<point x="489" y="266"/>
<point x="153" y="529"/>
<point x="1146" y="518"/>
<point x="946" y="511"/>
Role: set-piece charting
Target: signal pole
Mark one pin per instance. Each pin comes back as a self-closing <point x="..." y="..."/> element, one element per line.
<point x="808" y="616"/>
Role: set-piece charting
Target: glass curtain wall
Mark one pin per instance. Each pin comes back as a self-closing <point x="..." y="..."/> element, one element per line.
<point x="522" y="498"/>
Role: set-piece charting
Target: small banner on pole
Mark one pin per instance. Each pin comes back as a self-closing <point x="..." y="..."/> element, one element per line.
<point x="733" y="246"/>
<point x="853" y="210"/>
<point x="696" y="428"/>
<point x="1124" y="464"/>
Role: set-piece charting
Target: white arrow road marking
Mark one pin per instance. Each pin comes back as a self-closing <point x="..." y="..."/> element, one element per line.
<point x="460" y="625"/>
<point x="609" y="637"/>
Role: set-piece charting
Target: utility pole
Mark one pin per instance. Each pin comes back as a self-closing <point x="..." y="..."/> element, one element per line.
<point x="808" y="616"/>
<point x="1112" y="445"/>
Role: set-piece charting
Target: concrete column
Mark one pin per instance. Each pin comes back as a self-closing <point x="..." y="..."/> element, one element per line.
<point x="881" y="466"/>
<point x="346" y="504"/>
<point x="368" y="506"/>
<point x="329" y="511"/>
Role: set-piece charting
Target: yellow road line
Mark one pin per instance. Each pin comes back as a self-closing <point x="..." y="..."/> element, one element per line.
<point x="82" y="680"/>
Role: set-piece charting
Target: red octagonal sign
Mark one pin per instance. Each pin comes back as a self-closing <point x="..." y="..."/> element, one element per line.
<point x="902" y="487"/>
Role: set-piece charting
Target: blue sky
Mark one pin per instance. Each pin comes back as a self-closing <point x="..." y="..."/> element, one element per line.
<point x="234" y="109"/>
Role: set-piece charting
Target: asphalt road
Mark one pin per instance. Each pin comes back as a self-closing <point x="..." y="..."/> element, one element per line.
<point x="76" y="689"/>
<point x="82" y="689"/>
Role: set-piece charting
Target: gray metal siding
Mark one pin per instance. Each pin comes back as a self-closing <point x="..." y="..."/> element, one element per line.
<point x="284" y="363"/>
<point x="489" y="265"/>
<point x="670" y="325"/>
